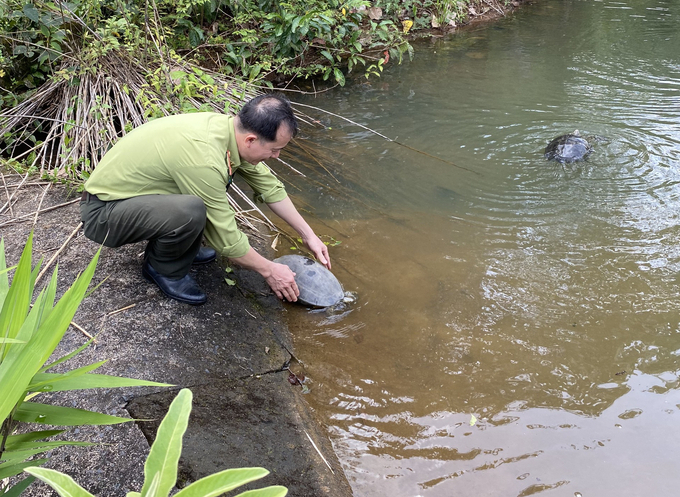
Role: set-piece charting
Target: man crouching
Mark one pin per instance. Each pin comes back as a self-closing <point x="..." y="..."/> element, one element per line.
<point x="166" y="182"/>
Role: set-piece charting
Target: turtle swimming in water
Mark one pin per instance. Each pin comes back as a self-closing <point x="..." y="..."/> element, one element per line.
<point x="318" y="287"/>
<point x="567" y="148"/>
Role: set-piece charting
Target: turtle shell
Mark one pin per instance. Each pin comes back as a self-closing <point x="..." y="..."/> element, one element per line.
<point x="568" y="148"/>
<point x="318" y="287"/>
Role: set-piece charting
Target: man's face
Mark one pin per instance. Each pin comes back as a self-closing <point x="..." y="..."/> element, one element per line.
<point x="257" y="149"/>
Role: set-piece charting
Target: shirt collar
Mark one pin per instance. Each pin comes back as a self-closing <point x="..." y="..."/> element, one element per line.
<point x="232" y="146"/>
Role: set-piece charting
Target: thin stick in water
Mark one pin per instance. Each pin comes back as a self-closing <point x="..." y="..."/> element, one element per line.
<point x="387" y="138"/>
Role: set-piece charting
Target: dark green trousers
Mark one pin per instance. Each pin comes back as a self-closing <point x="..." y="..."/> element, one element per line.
<point x="172" y="224"/>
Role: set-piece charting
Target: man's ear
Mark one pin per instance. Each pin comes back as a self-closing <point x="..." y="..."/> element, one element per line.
<point x="250" y="138"/>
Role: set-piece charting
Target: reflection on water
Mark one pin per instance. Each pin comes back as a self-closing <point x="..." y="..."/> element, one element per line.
<point x="540" y="298"/>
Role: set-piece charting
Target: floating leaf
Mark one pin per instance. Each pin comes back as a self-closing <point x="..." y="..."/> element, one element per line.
<point x="229" y="282"/>
<point x="473" y="420"/>
<point x="228" y="270"/>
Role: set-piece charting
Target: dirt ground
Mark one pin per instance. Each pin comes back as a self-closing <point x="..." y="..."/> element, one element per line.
<point x="233" y="352"/>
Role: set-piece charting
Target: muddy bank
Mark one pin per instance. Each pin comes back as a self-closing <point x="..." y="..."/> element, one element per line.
<point x="232" y="352"/>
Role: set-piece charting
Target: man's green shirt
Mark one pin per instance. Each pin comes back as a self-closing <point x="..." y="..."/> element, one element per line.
<point x="185" y="154"/>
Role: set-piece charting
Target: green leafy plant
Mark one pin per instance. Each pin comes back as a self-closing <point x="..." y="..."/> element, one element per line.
<point x="29" y="334"/>
<point x="160" y="469"/>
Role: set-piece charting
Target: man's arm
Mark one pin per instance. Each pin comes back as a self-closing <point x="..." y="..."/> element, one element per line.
<point x="278" y="276"/>
<point x="287" y="211"/>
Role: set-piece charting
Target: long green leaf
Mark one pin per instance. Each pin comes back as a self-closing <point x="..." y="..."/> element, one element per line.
<point x="18" y="488"/>
<point x="47" y="382"/>
<point x="11" y="340"/>
<point x="63" y="484"/>
<point x="27" y="450"/>
<point x="18" y="298"/>
<point x="5" y="271"/>
<point x="166" y="449"/>
<point x="16" y="469"/>
<point x="15" y="456"/>
<point x="31" y="436"/>
<point x="31" y="412"/>
<point x="4" y="279"/>
<point x="68" y="356"/>
<point x="21" y="364"/>
<point x="222" y="482"/>
<point x="53" y="328"/>
<point x="50" y="294"/>
<point x="42" y="381"/>
<point x="275" y="491"/>
<point x="30" y="324"/>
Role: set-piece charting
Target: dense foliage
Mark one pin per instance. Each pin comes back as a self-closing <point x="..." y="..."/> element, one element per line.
<point x="249" y="38"/>
<point x="253" y="39"/>
<point x="77" y="75"/>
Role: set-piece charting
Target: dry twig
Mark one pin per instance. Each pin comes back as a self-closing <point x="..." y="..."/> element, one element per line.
<point x="79" y="328"/>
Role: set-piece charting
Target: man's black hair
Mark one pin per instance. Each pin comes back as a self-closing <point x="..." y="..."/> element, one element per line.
<point x="264" y="114"/>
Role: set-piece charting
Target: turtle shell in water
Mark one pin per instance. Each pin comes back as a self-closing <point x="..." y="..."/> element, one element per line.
<point x="568" y="148"/>
<point x="318" y="287"/>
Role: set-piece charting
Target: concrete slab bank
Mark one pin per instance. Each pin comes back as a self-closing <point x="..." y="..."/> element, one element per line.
<point x="232" y="352"/>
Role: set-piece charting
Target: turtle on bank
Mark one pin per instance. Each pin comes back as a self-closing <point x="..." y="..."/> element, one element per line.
<point x="571" y="147"/>
<point x="318" y="287"/>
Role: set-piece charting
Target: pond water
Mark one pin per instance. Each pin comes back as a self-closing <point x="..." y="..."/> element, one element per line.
<point x="517" y="329"/>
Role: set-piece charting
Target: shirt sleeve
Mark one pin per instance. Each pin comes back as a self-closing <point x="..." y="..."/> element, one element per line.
<point x="266" y="186"/>
<point x="221" y="230"/>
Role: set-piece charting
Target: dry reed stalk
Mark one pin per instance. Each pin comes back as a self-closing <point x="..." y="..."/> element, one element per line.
<point x="31" y="183"/>
<point x="37" y="211"/>
<point x="4" y="183"/>
<point x="9" y="200"/>
<point x="24" y="217"/>
<point x="306" y="150"/>
<point x="57" y="253"/>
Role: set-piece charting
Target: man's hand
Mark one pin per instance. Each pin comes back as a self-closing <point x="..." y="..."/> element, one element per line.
<point x="282" y="281"/>
<point x="278" y="276"/>
<point x="319" y="249"/>
<point x="287" y="211"/>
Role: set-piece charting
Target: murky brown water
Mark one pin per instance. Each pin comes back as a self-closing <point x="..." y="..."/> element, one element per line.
<point x="542" y="300"/>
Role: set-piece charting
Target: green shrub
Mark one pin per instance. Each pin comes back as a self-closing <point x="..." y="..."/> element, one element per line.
<point x="29" y="334"/>
<point x="160" y="470"/>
